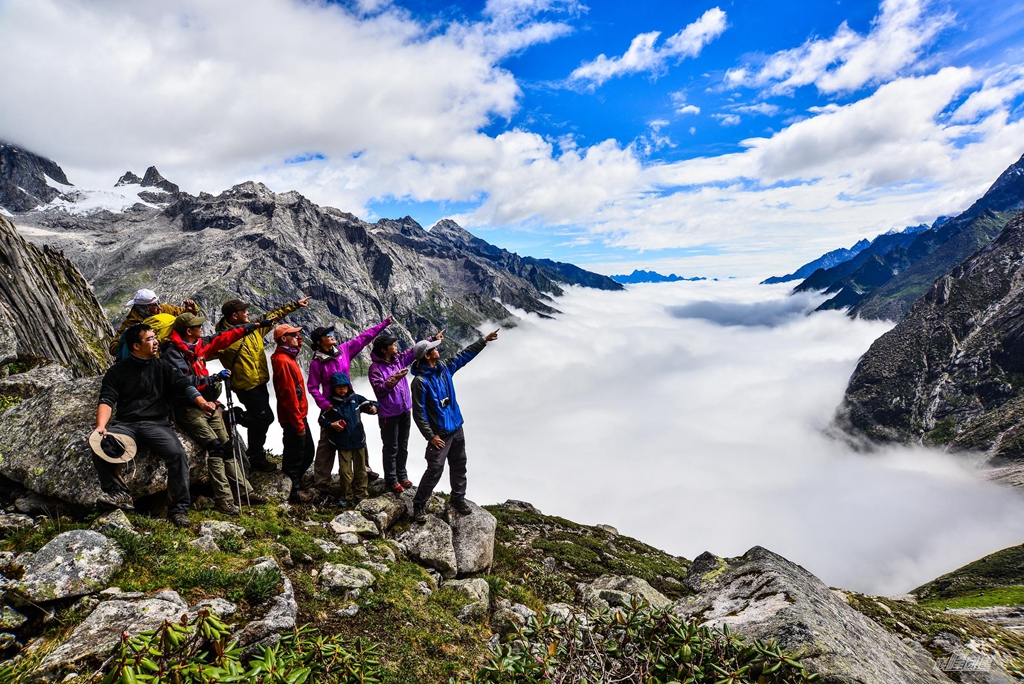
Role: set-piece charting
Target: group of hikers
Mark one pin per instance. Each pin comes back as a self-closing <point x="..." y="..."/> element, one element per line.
<point x="160" y="374"/>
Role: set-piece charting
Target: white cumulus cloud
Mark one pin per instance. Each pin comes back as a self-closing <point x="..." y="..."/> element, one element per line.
<point x="644" y="56"/>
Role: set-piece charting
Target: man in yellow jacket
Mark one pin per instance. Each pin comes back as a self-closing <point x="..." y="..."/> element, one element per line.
<point x="144" y="304"/>
<point x="247" y="361"/>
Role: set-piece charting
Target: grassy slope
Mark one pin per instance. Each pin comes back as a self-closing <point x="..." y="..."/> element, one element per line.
<point x="419" y="637"/>
<point x="995" y="580"/>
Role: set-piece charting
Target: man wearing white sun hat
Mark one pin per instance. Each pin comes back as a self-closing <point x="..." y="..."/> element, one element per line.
<point x="144" y="304"/>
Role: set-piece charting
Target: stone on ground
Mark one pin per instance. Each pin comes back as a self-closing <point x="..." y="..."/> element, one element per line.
<point x="618" y="590"/>
<point x="430" y="544"/>
<point x="113" y="520"/>
<point x="383" y="510"/>
<point x="473" y="539"/>
<point x="205" y="543"/>
<point x="220" y="529"/>
<point x="278" y="612"/>
<point x="344" y="577"/>
<point x="74" y="563"/>
<point x="12" y="522"/>
<point x="353" y="522"/>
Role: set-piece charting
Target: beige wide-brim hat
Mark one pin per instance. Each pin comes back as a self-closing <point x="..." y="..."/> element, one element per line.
<point x="126" y="445"/>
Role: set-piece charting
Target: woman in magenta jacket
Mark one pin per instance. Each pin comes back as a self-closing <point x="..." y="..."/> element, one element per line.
<point x="387" y="377"/>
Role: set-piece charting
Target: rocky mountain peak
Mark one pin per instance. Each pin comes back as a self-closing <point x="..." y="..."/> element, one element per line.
<point x="23" y="184"/>
<point x="128" y="178"/>
<point x="153" y="179"/>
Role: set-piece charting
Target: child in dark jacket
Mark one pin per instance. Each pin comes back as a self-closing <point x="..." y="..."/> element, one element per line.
<point x="347" y="436"/>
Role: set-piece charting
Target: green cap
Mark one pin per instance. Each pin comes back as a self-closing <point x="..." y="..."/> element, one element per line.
<point x="187" y="320"/>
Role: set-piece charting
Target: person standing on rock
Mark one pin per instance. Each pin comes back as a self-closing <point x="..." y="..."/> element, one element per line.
<point x="144" y="304"/>
<point x="292" y="408"/>
<point x="187" y="350"/>
<point x="348" y="437"/>
<point x="247" y="361"/>
<point x="141" y="389"/>
<point x="329" y="358"/>
<point x="388" y="369"/>
<point x="437" y="415"/>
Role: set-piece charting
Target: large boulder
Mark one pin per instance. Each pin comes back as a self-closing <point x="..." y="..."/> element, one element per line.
<point x="765" y="596"/>
<point x="74" y="563"/>
<point x="344" y="577"/>
<point x="615" y="590"/>
<point x="44" y="446"/>
<point x="92" y="641"/>
<point x="473" y="539"/>
<point x="430" y="544"/>
<point x="383" y="510"/>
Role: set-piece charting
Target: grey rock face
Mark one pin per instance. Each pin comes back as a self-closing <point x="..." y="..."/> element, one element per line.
<point x="949" y="373"/>
<point x="44" y="447"/>
<point x="473" y="539"/>
<point x="31" y="383"/>
<point x="93" y="640"/>
<point x="616" y="590"/>
<point x="352" y="522"/>
<point x="279" y="611"/>
<point x="344" y="577"/>
<point x="763" y="595"/>
<point x="384" y="510"/>
<point x="430" y="544"/>
<point x="71" y="564"/>
<point x="53" y="311"/>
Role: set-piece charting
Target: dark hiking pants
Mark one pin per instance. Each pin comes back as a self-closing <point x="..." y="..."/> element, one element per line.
<point x="158" y="436"/>
<point x="299" y="451"/>
<point x="394" y="434"/>
<point x="455" y="453"/>
<point x="260" y="417"/>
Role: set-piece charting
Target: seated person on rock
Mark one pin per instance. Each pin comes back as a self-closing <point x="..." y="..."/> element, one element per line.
<point x="141" y="389"/>
<point x="187" y="351"/>
<point x="144" y="304"/>
<point x="247" y="361"/>
<point x="346" y="434"/>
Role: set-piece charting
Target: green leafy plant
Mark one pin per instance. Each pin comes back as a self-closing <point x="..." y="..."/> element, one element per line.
<point x="200" y="653"/>
<point x="636" y="644"/>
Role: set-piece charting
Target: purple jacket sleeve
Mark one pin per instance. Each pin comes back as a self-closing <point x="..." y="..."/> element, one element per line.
<point x="377" y="380"/>
<point x="357" y="343"/>
<point x="313" y="383"/>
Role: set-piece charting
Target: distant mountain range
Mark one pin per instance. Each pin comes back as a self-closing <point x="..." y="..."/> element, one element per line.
<point x="825" y="261"/>
<point x="883" y="279"/>
<point x="268" y="248"/>
<point x="640" y="276"/>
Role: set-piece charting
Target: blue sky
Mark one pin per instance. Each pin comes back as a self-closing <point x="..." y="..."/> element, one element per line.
<point x="743" y="139"/>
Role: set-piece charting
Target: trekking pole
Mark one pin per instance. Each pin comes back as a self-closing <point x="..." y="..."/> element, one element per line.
<point x="236" y="448"/>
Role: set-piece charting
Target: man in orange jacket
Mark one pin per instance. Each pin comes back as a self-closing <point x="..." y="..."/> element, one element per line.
<point x="292" y="408"/>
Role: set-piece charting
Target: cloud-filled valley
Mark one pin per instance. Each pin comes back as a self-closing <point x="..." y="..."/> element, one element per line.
<point x="695" y="436"/>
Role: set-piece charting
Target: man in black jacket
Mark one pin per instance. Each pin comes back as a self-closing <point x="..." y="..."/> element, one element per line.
<point x="142" y="388"/>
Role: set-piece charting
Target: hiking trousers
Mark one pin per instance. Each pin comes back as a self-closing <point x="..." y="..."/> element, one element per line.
<point x="211" y="434"/>
<point x="260" y="417"/>
<point x="352" y="473"/>
<point x="454" y="452"/>
<point x="158" y="436"/>
<point x="394" y="434"/>
<point x="298" y="453"/>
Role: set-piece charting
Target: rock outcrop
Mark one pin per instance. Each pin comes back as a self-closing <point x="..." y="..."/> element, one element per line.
<point x="23" y="184"/>
<point x="952" y="372"/>
<point x="49" y="305"/>
<point x="473" y="539"/>
<point x="763" y="595"/>
<point x="430" y="544"/>
<point x="44" y="447"/>
<point x="71" y="564"/>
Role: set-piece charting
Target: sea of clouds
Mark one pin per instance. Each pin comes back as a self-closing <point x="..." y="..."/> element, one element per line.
<point x="691" y="416"/>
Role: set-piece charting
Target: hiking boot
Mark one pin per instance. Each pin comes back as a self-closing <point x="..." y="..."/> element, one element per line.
<point x="302" y="496"/>
<point x="407" y="483"/>
<point x="371" y="476"/>
<point x="419" y="514"/>
<point x="178" y="519"/>
<point x="264" y="466"/>
<point x="461" y="506"/>
<point x="397" y="488"/>
<point x="343" y="503"/>
<point x="125" y="501"/>
<point x="253" y="499"/>
<point x="108" y="501"/>
<point x="227" y="508"/>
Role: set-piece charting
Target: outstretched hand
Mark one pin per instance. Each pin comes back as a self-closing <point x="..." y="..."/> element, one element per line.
<point x="304" y="301"/>
<point x="492" y="336"/>
<point x="440" y="334"/>
<point x="190" y="306"/>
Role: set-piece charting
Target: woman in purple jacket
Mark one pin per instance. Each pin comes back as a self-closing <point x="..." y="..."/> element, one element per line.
<point x="329" y="358"/>
<point x="387" y="377"/>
